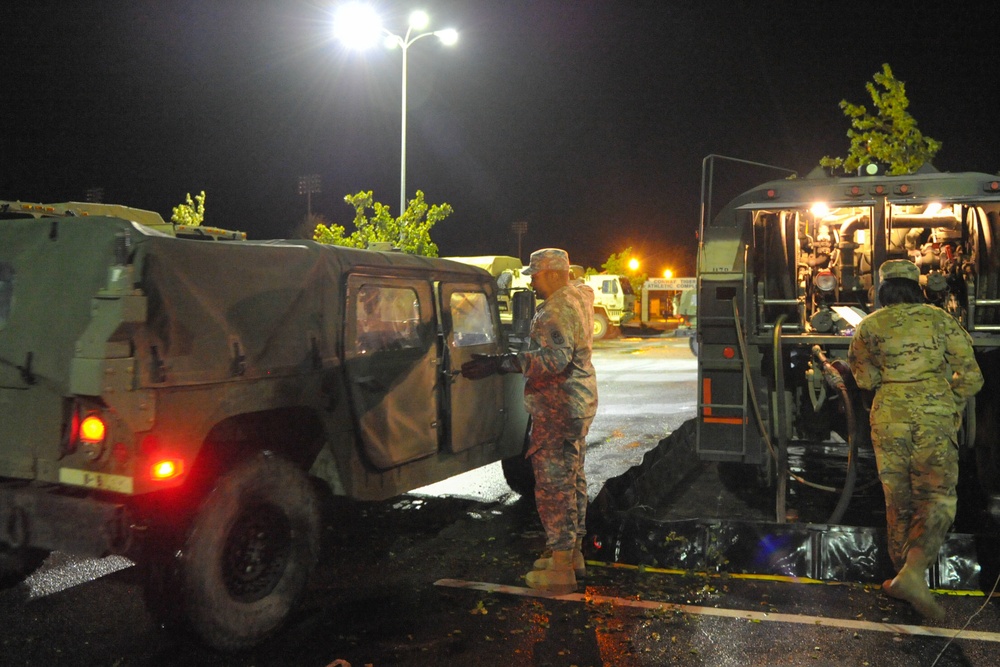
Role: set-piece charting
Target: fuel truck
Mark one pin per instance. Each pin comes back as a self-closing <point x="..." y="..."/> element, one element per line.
<point x="785" y="272"/>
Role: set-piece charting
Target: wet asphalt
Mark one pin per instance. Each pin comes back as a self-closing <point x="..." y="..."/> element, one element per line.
<point x="435" y="578"/>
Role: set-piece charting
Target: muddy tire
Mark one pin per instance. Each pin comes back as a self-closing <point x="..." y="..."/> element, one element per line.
<point x="18" y="564"/>
<point x="601" y="326"/>
<point x="249" y="552"/>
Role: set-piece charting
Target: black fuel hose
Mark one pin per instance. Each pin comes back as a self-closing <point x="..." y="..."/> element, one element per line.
<point x="834" y="378"/>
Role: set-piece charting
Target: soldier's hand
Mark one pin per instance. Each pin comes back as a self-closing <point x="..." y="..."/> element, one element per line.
<point x="484" y="365"/>
<point x="481" y="366"/>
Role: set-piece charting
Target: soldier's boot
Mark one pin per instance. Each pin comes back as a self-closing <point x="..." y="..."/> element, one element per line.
<point x="579" y="564"/>
<point x="559" y="578"/>
<point x="910" y="585"/>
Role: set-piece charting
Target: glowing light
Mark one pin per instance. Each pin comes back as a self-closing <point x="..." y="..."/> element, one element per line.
<point x="633" y="264"/>
<point x="820" y="210"/>
<point x="166" y="469"/>
<point x="419" y="20"/>
<point x="357" y="25"/>
<point x="448" y="36"/>
<point x="92" y="429"/>
<point x="667" y="273"/>
<point x="932" y="208"/>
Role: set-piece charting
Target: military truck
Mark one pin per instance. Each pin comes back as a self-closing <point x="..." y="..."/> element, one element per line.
<point x="506" y="270"/>
<point x="614" y="299"/>
<point x="614" y="303"/>
<point x="181" y="402"/>
<point x="785" y="272"/>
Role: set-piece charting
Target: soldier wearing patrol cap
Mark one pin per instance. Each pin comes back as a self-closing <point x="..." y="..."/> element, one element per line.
<point x="921" y="364"/>
<point x="560" y="394"/>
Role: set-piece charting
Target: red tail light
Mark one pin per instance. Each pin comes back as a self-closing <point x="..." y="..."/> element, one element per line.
<point x="165" y="469"/>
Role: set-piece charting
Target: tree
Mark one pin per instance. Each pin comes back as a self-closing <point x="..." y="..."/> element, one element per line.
<point x="617" y="264"/>
<point x="890" y="137"/>
<point x="190" y="213"/>
<point x="410" y="233"/>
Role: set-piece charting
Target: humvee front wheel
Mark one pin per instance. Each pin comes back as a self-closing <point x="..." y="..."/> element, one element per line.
<point x="517" y="470"/>
<point x="249" y="552"/>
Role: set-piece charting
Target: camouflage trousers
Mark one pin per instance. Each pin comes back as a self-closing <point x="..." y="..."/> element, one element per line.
<point x="918" y="466"/>
<point x="561" y="484"/>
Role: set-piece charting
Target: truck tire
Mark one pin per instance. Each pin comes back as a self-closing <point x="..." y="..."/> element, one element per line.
<point x="251" y="547"/>
<point x="601" y="326"/>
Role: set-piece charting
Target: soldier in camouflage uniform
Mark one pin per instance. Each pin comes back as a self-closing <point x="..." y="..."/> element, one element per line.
<point x="920" y="363"/>
<point x="560" y="394"/>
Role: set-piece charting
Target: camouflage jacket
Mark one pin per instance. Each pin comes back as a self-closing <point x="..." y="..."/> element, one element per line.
<point x="557" y="363"/>
<point x="918" y="358"/>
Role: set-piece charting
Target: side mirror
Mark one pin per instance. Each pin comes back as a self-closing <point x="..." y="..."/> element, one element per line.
<point x="523" y="308"/>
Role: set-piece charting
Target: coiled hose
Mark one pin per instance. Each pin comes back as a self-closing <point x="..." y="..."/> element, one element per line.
<point x="835" y="379"/>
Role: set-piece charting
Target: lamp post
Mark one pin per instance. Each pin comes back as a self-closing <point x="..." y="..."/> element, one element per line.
<point x="358" y="26"/>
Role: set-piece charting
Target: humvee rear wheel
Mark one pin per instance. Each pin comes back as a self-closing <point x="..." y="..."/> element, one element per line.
<point x="249" y="552"/>
<point x="18" y="564"/>
<point x="600" y="326"/>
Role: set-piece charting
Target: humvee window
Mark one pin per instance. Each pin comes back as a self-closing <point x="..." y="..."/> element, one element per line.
<point x="471" y="321"/>
<point x="388" y="319"/>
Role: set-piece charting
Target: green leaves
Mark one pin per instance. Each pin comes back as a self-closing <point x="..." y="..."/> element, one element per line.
<point x="373" y="223"/>
<point x="617" y="264"/>
<point x="890" y="136"/>
<point x="190" y="213"/>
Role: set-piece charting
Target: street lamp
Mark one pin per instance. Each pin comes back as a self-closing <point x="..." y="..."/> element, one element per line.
<point x="358" y="26"/>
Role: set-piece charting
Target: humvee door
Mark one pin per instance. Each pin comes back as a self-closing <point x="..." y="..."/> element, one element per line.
<point x="392" y="365"/>
<point x="476" y="407"/>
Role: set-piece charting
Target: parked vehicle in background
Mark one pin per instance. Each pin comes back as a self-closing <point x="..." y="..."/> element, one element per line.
<point x="614" y="300"/>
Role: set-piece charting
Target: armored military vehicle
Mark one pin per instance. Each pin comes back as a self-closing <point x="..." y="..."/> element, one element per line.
<point x="176" y="401"/>
<point x="785" y="272"/>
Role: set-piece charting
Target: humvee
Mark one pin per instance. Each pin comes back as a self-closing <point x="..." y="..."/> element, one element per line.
<point x="177" y="401"/>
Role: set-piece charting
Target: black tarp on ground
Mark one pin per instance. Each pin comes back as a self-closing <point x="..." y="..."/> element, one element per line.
<point x="672" y="512"/>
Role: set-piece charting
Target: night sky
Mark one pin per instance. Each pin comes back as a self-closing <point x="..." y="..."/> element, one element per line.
<point x="587" y="119"/>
